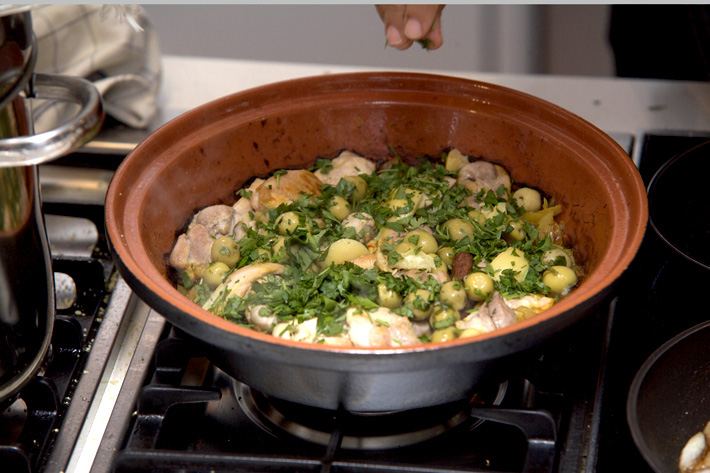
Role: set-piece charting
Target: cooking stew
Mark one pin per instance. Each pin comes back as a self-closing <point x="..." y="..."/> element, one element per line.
<point x="352" y="254"/>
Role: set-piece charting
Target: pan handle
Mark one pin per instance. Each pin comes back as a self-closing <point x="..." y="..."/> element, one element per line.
<point x="42" y="147"/>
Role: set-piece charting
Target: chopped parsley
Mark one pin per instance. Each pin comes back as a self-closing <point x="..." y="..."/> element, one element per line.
<point x="399" y="198"/>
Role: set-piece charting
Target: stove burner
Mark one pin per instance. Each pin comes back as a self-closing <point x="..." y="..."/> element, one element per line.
<point x="362" y="431"/>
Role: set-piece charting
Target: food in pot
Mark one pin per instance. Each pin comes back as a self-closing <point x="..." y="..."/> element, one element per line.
<point x="350" y="254"/>
<point x="695" y="457"/>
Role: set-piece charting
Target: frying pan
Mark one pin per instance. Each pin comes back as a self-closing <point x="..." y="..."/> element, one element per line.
<point x="669" y="400"/>
<point x="203" y="156"/>
<point x="678" y="205"/>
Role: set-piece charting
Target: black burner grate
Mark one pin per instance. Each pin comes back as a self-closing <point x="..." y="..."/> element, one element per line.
<point x="187" y="417"/>
<point x="30" y="427"/>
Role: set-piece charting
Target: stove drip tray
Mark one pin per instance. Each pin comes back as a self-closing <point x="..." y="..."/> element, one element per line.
<point x="362" y="431"/>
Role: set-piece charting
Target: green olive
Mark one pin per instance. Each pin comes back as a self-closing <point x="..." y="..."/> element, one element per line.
<point x="395" y="205"/>
<point x="498" y="209"/>
<point x="197" y="270"/>
<point x="415" y="195"/>
<point x="559" y="279"/>
<point x="360" y="186"/>
<point x="405" y="248"/>
<point x="444" y="317"/>
<point x="513" y="259"/>
<point x="469" y="332"/>
<point x="529" y="199"/>
<point x="518" y="231"/>
<point x="386" y="235"/>
<point x="215" y="274"/>
<point x="339" y="207"/>
<point x="458" y="229"/>
<point x="318" y="222"/>
<point x="419" y="302"/>
<point x="279" y="248"/>
<point x="440" y="267"/>
<point x="443" y="335"/>
<point x="344" y="250"/>
<point x="477" y="216"/>
<point x="452" y="293"/>
<point x="386" y="297"/>
<point x="455" y="160"/>
<point x="262" y="254"/>
<point x="446" y="253"/>
<point x="287" y="222"/>
<point x="478" y="285"/>
<point x="423" y="240"/>
<point x="557" y="256"/>
<point x="226" y="250"/>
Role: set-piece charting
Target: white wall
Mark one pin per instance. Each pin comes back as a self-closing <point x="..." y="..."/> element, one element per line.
<point x="491" y="38"/>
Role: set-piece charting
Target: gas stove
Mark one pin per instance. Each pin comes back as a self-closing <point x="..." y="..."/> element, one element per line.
<point x="125" y="391"/>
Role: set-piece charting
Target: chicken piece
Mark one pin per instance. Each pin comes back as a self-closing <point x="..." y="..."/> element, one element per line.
<point x="243" y="218"/>
<point x="381" y="261"/>
<point x="261" y="317"/>
<point x="379" y="328"/>
<point x="363" y="332"/>
<point x="416" y="261"/>
<point x="363" y="224"/>
<point x="499" y="312"/>
<point x="339" y="341"/>
<point x="529" y="305"/>
<point x="242" y="207"/>
<point x="483" y="175"/>
<point x="387" y="235"/>
<point x="490" y="316"/>
<point x="400" y="328"/>
<point x="346" y="164"/>
<point x="305" y="331"/>
<point x="695" y="456"/>
<point x="192" y="248"/>
<point x="254" y="198"/>
<point x="422" y="328"/>
<point x="479" y="321"/>
<point x="440" y="274"/>
<point x="284" y="188"/>
<point x="219" y="220"/>
<point x="472" y="202"/>
<point x="365" y="261"/>
<point x="238" y="283"/>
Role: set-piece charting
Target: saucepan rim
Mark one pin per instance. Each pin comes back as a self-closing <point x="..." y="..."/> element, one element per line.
<point x="657" y="177"/>
<point x="632" y="418"/>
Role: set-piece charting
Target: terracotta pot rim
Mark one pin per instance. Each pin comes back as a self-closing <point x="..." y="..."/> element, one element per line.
<point x="618" y="256"/>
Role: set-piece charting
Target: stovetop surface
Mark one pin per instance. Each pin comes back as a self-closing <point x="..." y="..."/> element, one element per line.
<point x="38" y="430"/>
<point x="177" y="411"/>
<point x="658" y="298"/>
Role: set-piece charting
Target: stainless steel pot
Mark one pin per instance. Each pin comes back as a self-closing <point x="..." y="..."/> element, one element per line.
<point x="26" y="280"/>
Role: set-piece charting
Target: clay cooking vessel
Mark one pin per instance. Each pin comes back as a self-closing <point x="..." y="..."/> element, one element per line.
<point x="203" y="156"/>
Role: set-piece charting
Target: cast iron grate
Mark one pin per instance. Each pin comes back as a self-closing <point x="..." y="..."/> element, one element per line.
<point x="30" y="426"/>
<point x="193" y="422"/>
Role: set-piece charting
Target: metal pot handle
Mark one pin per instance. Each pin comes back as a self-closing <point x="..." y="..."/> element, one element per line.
<point x="42" y="147"/>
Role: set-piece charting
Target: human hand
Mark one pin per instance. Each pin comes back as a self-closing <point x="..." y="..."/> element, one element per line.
<point x="405" y="24"/>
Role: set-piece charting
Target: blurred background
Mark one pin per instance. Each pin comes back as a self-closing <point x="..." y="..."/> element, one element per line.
<point x="537" y="39"/>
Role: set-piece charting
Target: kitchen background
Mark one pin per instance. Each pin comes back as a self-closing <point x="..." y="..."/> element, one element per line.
<point x="538" y="39"/>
